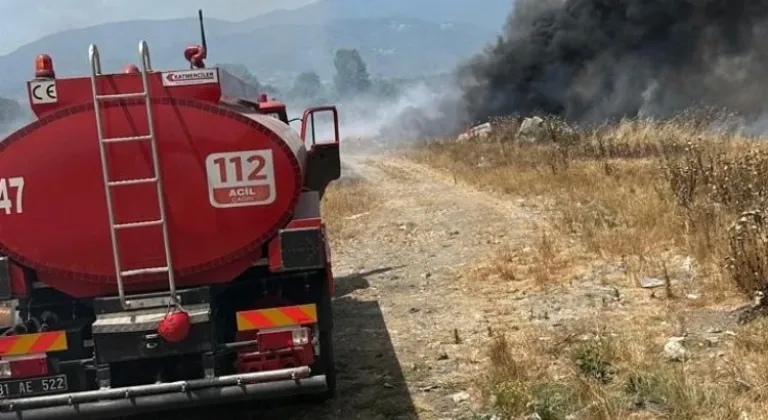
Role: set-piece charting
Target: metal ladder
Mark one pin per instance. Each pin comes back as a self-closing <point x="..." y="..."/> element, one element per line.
<point x="121" y="274"/>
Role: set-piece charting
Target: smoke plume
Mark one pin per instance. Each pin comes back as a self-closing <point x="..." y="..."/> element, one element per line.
<point x="592" y="60"/>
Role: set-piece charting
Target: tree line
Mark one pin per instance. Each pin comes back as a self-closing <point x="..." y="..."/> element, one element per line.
<point x="351" y="79"/>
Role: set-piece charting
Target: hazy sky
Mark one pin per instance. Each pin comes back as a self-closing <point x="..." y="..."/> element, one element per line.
<point x="23" y="21"/>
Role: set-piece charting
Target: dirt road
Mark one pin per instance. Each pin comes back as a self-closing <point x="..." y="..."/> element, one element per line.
<point x="409" y="337"/>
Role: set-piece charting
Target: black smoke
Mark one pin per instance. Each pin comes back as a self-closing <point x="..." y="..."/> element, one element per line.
<point x="591" y="60"/>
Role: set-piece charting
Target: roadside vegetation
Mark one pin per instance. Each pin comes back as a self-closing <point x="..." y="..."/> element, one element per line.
<point x="344" y="200"/>
<point x="679" y="203"/>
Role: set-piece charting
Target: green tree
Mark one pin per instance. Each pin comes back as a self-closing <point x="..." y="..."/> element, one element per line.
<point x="351" y="73"/>
<point x="307" y="86"/>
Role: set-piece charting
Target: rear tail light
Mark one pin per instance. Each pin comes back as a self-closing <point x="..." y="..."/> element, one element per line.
<point x="300" y="337"/>
<point x="24" y="366"/>
<point x="270" y="340"/>
<point x="9" y="317"/>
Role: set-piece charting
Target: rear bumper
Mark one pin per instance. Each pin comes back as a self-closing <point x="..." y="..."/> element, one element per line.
<point x="167" y="396"/>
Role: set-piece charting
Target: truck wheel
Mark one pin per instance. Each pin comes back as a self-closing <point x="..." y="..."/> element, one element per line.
<point x="326" y="363"/>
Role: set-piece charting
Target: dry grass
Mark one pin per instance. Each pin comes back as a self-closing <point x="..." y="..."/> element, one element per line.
<point x="342" y="202"/>
<point x="598" y="372"/>
<point x="546" y="262"/>
<point x="607" y="375"/>
<point x="647" y="196"/>
<point x="635" y="191"/>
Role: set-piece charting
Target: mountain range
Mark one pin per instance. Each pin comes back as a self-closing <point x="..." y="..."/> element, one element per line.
<point x="396" y="38"/>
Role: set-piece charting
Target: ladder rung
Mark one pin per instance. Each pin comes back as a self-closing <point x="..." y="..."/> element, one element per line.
<point x="139" y="224"/>
<point x="116" y="96"/>
<point x="140" y="271"/>
<point x="132" y="181"/>
<point x="124" y="139"/>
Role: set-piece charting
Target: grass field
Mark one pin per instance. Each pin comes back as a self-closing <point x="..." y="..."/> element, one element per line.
<point x="344" y="199"/>
<point x="647" y="195"/>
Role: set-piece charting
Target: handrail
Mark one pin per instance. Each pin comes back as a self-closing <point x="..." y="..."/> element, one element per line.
<point x="144" y="53"/>
<point x="93" y="57"/>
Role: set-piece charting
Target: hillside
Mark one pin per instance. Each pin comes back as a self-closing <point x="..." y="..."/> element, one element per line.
<point x="491" y="15"/>
<point x="69" y="14"/>
<point x="276" y="46"/>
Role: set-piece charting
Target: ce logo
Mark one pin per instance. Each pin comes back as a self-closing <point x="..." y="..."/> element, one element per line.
<point x="50" y="91"/>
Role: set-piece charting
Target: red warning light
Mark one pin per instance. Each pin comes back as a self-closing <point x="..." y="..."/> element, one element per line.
<point x="44" y="67"/>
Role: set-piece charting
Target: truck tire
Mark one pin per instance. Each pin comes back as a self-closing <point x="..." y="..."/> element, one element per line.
<point x="326" y="363"/>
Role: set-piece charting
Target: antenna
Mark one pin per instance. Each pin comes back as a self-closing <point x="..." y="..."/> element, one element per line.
<point x="202" y="31"/>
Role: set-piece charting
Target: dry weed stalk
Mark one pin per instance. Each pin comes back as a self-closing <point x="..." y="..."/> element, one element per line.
<point x="748" y="259"/>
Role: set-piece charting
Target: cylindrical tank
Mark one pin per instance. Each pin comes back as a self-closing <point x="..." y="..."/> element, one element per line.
<point x="230" y="182"/>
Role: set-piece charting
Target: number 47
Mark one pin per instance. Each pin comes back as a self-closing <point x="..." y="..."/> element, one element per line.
<point x="6" y="203"/>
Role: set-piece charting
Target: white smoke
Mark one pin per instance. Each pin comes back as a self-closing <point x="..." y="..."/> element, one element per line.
<point x="367" y="122"/>
<point x="368" y="118"/>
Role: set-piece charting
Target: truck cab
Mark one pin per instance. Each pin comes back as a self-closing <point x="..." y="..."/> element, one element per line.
<point x="273" y="108"/>
<point x="263" y="105"/>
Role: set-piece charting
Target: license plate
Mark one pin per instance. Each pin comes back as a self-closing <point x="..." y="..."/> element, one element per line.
<point x="31" y="387"/>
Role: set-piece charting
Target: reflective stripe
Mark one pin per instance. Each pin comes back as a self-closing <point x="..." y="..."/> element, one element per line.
<point x="277" y="317"/>
<point x="17" y="345"/>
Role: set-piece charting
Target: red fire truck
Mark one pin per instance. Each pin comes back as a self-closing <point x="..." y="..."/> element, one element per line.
<point x="161" y="244"/>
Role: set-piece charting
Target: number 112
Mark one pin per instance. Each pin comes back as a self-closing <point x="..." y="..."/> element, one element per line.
<point x="257" y="163"/>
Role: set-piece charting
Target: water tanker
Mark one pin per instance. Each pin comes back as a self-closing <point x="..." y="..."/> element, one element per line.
<point x="161" y="245"/>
